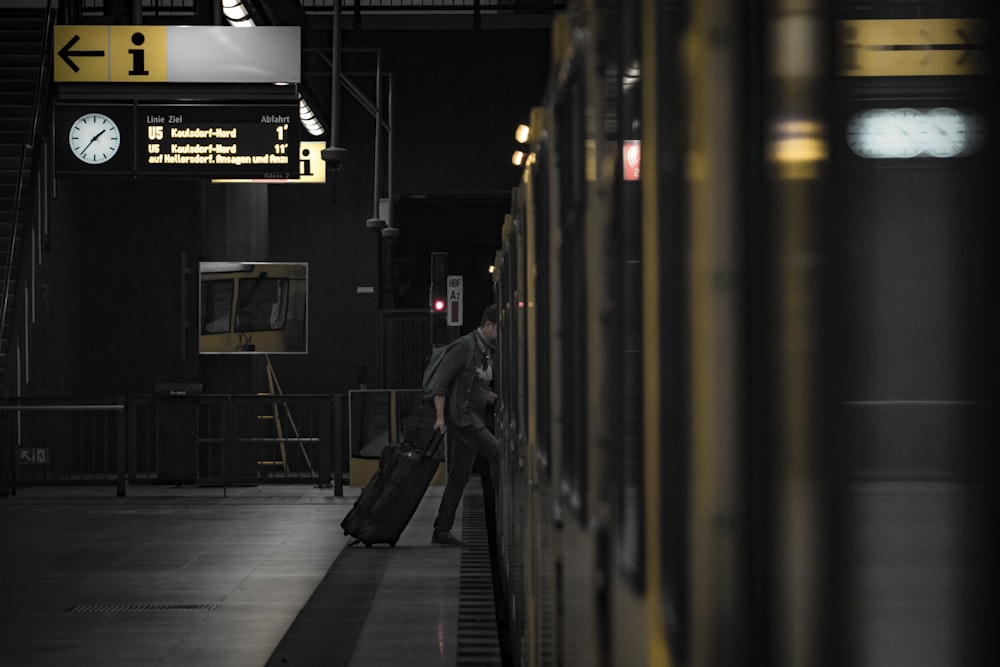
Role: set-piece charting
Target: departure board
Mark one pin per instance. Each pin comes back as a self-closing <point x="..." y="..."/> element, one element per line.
<point x="198" y="140"/>
<point x="217" y="141"/>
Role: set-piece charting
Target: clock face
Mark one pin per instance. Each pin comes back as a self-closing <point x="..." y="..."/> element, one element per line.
<point x="944" y="133"/>
<point x="885" y="133"/>
<point x="94" y="138"/>
<point x="904" y="133"/>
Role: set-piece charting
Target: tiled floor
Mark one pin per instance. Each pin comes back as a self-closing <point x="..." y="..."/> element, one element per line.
<point x="204" y="576"/>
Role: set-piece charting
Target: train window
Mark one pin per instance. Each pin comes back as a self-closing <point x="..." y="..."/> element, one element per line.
<point x="519" y="355"/>
<point x="669" y="507"/>
<point x="543" y="304"/>
<point x="627" y="460"/>
<point x="571" y="158"/>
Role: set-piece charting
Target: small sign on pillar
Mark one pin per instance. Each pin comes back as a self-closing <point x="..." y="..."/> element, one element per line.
<point x="455" y="301"/>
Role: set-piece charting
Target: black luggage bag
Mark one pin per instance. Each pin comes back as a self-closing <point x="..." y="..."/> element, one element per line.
<point x="390" y="498"/>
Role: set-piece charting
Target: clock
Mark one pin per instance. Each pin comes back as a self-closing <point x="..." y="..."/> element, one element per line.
<point x="941" y="132"/>
<point x="944" y="133"/>
<point x="885" y="133"/>
<point x="951" y="133"/>
<point x="94" y="138"/>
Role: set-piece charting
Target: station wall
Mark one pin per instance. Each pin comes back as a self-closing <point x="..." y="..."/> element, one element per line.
<point x="116" y="278"/>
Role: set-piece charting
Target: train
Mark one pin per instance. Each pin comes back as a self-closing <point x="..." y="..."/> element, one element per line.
<point x="746" y="362"/>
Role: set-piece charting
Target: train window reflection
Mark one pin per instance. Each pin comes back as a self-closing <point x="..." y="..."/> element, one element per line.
<point x="262" y="304"/>
<point x="217" y="299"/>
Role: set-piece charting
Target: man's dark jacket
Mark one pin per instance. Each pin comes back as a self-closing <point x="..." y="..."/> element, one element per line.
<point x="456" y="381"/>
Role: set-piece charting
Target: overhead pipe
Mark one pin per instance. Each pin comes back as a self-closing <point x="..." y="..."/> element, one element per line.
<point x="390" y="233"/>
<point x="334" y="154"/>
<point x="375" y="223"/>
<point x="388" y="176"/>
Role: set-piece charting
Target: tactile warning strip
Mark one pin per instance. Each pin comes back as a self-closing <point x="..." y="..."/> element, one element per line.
<point x="478" y="640"/>
<point x="124" y="608"/>
<point x="328" y="626"/>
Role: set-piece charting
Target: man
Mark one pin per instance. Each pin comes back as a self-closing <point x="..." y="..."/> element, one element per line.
<point x="461" y="395"/>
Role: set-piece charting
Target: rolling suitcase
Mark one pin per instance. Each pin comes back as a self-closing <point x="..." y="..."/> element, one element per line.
<point x="390" y="498"/>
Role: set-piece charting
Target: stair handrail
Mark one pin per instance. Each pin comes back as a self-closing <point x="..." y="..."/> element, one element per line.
<point x="26" y="149"/>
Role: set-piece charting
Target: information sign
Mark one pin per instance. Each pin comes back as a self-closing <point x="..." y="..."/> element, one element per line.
<point x="176" y="54"/>
<point x="456" y="289"/>
<point x="312" y="167"/>
<point x="914" y="47"/>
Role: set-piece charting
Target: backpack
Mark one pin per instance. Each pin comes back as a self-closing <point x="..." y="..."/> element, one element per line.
<point x="433" y="367"/>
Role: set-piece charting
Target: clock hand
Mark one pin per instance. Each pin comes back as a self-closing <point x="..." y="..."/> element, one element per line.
<point x="92" y="140"/>
<point x="906" y="134"/>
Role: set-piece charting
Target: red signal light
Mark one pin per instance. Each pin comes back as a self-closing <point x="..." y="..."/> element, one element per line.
<point x="438" y="294"/>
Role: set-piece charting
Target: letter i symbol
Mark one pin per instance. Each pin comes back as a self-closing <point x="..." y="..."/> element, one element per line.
<point x="305" y="166"/>
<point x="138" y="56"/>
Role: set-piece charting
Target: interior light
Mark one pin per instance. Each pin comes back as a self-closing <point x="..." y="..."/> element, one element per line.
<point x="522" y="133"/>
<point x="517" y="159"/>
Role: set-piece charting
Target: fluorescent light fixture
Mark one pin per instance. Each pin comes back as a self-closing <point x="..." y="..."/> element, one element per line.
<point x="631" y="76"/>
<point x="308" y="118"/>
<point x="797" y="141"/>
<point x="239" y="17"/>
<point x="237" y="14"/>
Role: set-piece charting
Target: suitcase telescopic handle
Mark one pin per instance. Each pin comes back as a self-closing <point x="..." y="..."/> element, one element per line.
<point x="437" y="437"/>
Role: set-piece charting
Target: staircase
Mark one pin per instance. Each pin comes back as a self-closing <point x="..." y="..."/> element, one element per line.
<point x="25" y="80"/>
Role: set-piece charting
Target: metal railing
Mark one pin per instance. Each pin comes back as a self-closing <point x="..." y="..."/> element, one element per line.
<point x="28" y="150"/>
<point x="66" y="440"/>
<point x="206" y="440"/>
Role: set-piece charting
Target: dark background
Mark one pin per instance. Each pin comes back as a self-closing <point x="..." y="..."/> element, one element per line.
<point x="116" y="280"/>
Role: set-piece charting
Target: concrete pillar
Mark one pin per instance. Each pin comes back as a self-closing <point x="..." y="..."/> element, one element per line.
<point x="235" y="224"/>
<point x="234" y="228"/>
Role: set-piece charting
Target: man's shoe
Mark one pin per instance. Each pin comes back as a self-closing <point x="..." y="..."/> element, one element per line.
<point x="446" y="539"/>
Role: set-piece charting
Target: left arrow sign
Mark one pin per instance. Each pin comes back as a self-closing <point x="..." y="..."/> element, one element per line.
<point x="65" y="53"/>
<point x="81" y="53"/>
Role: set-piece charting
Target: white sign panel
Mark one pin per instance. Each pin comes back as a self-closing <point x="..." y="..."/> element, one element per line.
<point x="176" y="54"/>
<point x="455" y="300"/>
<point x="264" y="54"/>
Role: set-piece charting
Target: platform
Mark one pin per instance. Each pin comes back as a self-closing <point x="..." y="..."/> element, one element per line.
<point x="236" y="577"/>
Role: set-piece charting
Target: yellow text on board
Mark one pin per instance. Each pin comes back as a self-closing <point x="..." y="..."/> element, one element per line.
<point x="109" y="53"/>
<point x="914" y="47"/>
<point x="312" y="167"/>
